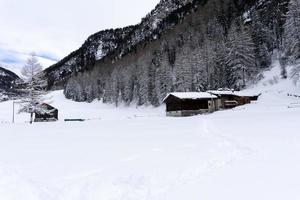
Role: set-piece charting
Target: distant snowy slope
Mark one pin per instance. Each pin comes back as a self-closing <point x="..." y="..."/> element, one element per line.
<point x="273" y="82"/>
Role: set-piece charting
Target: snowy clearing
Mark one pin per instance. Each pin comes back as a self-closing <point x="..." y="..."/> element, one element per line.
<point x="250" y="152"/>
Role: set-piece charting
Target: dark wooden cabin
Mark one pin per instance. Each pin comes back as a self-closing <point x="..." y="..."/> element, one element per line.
<point x="251" y="97"/>
<point x="190" y="103"/>
<point x="50" y="115"/>
<point x="231" y="99"/>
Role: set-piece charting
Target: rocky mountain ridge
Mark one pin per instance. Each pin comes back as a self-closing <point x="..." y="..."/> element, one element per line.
<point x="113" y="41"/>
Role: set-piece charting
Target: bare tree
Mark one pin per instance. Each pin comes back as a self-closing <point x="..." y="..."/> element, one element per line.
<point x="33" y="88"/>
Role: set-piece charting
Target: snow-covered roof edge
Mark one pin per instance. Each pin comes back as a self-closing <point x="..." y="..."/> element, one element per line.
<point x="191" y="95"/>
<point x="229" y="92"/>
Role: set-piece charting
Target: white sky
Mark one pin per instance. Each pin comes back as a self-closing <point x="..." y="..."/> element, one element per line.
<point x="54" y="28"/>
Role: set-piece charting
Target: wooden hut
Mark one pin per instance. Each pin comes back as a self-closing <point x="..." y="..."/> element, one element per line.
<point x="190" y="103"/>
<point x="230" y="99"/>
<point x="252" y="97"/>
<point x="49" y="114"/>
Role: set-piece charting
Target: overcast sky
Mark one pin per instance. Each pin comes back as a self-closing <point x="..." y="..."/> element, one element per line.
<point x="54" y="28"/>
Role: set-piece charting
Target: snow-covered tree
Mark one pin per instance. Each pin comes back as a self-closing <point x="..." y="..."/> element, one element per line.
<point x="292" y="37"/>
<point x="33" y="88"/>
<point x="240" y="53"/>
<point x="263" y="40"/>
<point x="292" y="30"/>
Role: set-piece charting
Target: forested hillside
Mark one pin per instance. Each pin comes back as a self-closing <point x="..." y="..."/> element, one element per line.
<point x="7" y="83"/>
<point x="191" y="45"/>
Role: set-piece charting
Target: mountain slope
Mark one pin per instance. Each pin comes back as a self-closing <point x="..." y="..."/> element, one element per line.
<point x="108" y="42"/>
<point x="95" y="48"/>
<point x="190" y="45"/>
<point x="7" y="79"/>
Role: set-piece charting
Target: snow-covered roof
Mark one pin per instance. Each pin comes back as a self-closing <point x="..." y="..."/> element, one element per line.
<point x="247" y="94"/>
<point x="222" y="92"/>
<point x="192" y="95"/>
<point x="229" y="92"/>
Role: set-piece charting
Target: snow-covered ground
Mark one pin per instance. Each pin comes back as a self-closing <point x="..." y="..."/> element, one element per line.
<point x="250" y="152"/>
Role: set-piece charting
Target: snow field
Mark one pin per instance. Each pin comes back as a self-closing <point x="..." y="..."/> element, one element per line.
<point x="132" y="160"/>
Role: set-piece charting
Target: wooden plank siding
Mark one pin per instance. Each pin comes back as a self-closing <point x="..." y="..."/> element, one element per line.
<point x="188" y="107"/>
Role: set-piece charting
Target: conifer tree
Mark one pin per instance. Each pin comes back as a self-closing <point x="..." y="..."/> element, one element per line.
<point x="33" y="88"/>
<point x="240" y="53"/>
<point x="292" y="37"/>
<point x="292" y="30"/>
